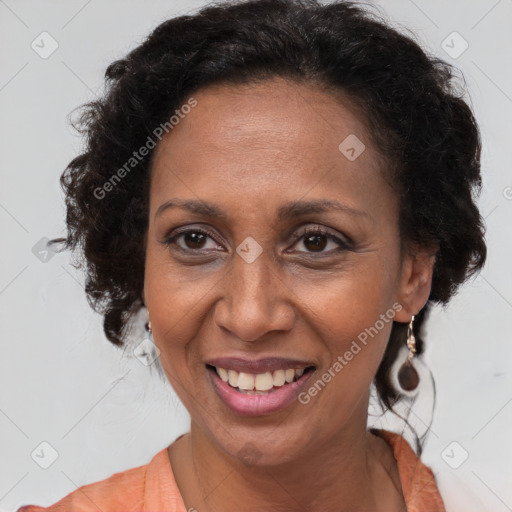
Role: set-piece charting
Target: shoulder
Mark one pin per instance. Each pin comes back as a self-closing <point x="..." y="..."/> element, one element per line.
<point x="124" y="490"/>
<point x="418" y="481"/>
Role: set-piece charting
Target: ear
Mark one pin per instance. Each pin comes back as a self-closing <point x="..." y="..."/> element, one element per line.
<point x="415" y="281"/>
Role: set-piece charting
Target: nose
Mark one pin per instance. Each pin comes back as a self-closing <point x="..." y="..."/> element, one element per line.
<point x="255" y="300"/>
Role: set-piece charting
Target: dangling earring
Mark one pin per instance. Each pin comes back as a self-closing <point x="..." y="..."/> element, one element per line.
<point x="147" y="326"/>
<point x="146" y="351"/>
<point x="407" y="375"/>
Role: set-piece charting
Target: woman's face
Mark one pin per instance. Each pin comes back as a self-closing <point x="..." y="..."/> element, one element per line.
<point x="260" y="284"/>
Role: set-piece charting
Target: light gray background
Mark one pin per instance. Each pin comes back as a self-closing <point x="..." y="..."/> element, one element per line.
<point x="103" y="411"/>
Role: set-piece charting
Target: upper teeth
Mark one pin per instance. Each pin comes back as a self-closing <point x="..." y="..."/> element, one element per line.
<point x="259" y="382"/>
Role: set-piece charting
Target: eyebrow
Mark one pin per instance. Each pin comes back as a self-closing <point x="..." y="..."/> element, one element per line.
<point x="284" y="212"/>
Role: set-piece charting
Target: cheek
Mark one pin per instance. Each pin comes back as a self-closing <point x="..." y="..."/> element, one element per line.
<point x="353" y="316"/>
<point x="171" y="301"/>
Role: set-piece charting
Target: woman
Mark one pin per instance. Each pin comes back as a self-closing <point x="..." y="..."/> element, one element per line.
<point x="286" y="188"/>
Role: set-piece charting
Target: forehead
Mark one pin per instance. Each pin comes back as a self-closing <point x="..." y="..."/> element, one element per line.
<point x="265" y="141"/>
<point x="270" y="114"/>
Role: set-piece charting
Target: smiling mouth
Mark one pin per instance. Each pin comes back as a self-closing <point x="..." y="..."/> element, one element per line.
<point x="261" y="383"/>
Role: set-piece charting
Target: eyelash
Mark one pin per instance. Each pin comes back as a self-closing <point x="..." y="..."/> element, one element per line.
<point x="318" y="230"/>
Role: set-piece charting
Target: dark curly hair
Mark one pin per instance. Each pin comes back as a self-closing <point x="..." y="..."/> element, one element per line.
<point x="415" y="113"/>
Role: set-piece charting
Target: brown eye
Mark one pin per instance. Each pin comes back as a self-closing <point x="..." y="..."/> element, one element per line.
<point x="192" y="240"/>
<point x="315" y="240"/>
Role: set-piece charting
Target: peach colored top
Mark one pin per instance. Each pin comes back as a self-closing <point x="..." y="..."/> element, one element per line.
<point x="152" y="487"/>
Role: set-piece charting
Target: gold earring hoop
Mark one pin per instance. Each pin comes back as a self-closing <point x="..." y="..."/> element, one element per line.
<point x="408" y="377"/>
<point x="148" y="324"/>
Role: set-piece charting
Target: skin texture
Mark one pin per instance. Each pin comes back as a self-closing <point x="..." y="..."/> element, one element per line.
<point x="250" y="149"/>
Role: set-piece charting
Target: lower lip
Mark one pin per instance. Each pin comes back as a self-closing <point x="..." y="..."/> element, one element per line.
<point x="258" y="405"/>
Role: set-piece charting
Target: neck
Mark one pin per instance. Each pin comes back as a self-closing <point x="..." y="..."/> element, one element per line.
<point x="341" y="473"/>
